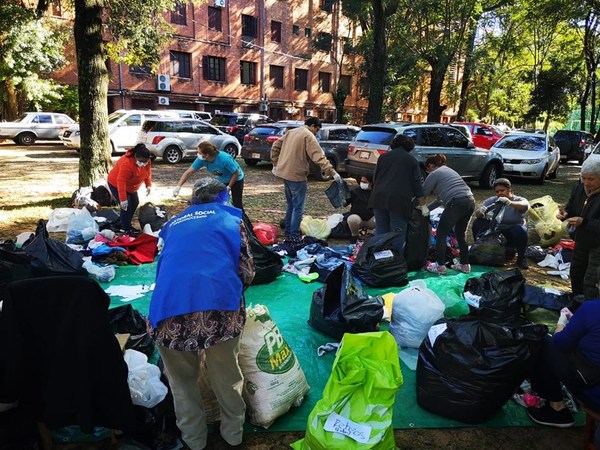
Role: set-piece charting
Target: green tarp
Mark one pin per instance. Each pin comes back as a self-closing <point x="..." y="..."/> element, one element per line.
<point x="289" y="299"/>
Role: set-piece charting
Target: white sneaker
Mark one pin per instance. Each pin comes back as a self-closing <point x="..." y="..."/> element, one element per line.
<point x="434" y="267"/>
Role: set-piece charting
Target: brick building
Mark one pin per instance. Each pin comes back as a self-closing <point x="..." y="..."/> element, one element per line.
<point x="281" y="58"/>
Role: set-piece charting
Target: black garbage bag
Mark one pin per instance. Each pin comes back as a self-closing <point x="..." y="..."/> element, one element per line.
<point x="155" y="215"/>
<point x="489" y="249"/>
<point x="342" y="306"/>
<point x="341" y="230"/>
<point x="500" y="295"/>
<point x="15" y="264"/>
<point x="50" y="257"/>
<point x="418" y="235"/>
<point x="474" y="367"/>
<point x="379" y="262"/>
<point x="126" y="319"/>
<point x="338" y="193"/>
<point x="267" y="264"/>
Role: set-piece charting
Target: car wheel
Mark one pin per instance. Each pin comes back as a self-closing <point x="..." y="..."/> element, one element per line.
<point x="231" y="150"/>
<point x="554" y="174"/>
<point x="322" y="176"/>
<point x="113" y="151"/>
<point x="172" y="154"/>
<point x="540" y="180"/>
<point x="489" y="176"/>
<point x="251" y="162"/>
<point x="26" y="139"/>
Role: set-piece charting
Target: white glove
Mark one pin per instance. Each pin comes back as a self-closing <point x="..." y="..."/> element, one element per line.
<point x="124" y="205"/>
<point x="563" y="320"/>
<point x="504" y="200"/>
<point x="482" y="210"/>
<point x="567" y="312"/>
<point x="337" y="177"/>
<point x="148" y="190"/>
<point x="274" y="170"/>
<point x="425" y="211"/>
<point x="176" y="191"/>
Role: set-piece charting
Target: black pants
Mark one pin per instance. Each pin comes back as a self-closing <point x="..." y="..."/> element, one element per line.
<point x="457" y="214"/>
<point x="585" y="271"/>
<point x="236" y="193"/>
<point x="133" y="202"/>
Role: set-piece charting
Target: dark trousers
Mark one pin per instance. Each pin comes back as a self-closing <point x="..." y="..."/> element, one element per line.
<point x="585" y="271"/>
<point x="516" y="236"/>
<point x="456" y="215"/>
<point x="126" y="216"/>
<point x="236" y="193"/>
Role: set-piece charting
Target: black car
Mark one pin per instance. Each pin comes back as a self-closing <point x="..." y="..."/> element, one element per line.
<point x="574" y="144"/>
<point x="334" y="140"/>
<point x="238" y="124"/>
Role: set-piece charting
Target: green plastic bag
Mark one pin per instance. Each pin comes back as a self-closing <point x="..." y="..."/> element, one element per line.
<point x="358" y="398"/>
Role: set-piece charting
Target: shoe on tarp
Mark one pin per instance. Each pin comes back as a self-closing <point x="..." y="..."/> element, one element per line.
<point x="546" y="415"/>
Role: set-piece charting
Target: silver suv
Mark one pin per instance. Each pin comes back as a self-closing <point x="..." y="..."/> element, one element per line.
<point x="175" y="139"/>
<point x="470" y="162"/>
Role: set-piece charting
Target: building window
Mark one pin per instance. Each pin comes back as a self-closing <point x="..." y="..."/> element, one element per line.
<point x="247" y="72"/>
<point x="180" y="64"/>
<point x="249" y="26"/>
<point x="214" y="19"/>
<point x="307" y="32"/>
<point x="348" y="46"/>
<point x="214" y="68"/>
<point x="301" y="80"/>
<point x="141" y="70"/>
<point x="179" y="13"/>
<point x="57" y="8"/>
<point x="346" y="84"/>
<point x="364" y="87"/>
<point x="276" y="75"/>
<point x="326" y="5"/>
<point x="275" y="31"/>
<point x="324" y="82"/>
<point x="323" y="41"/>
<point x="295" y="30"/>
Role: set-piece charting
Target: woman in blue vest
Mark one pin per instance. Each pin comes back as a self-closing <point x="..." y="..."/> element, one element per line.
<point x="198" y="304"/>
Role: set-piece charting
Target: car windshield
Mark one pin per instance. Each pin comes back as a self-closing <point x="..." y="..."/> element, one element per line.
<point x="21" y="118"/>
<point x="241" y="120"/>
<point x="266" y="131"/>
<point x="112" y="118"/>
<point x="497" y="130"/>
<point x="222" y="120"/>
<point x="532" y="143"/>
<point x="376" y="136"/>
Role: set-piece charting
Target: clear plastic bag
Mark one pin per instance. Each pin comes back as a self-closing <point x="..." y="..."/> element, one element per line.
<point x="144" y="380"/>
<point x="82" y="227"/>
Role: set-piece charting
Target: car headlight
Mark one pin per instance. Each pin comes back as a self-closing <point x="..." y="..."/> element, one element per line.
<point x="531" y="161"/>
<point x="76" y="133"/>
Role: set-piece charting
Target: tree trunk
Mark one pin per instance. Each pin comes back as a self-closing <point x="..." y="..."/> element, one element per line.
<point x="339" y="98"/>
<point x="467" y="70"/>
<point x="94" y="161"/>
<point x="12" y="106"/>
<point x="434" y="109"/>
<point x="377" y="67"/>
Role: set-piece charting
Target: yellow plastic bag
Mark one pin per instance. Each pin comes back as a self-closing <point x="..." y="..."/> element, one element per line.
<point x="317" y="228"/>
<point x="543" y="227"/>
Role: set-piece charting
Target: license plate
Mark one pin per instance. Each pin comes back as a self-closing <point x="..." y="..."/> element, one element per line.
<point x="255" y="155"/>
<point x="364" y="155"/>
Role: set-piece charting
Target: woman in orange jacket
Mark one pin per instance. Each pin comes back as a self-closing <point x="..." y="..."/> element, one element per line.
<point x="126" y="177"/>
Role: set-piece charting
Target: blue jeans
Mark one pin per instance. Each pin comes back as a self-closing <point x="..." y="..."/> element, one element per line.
<point x="295" y="195"/>
<point x="126" y="216"/>
<point x="386" y="221"/>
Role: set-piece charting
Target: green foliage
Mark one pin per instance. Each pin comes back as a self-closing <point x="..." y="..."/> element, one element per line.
<point x="66" y="101"/>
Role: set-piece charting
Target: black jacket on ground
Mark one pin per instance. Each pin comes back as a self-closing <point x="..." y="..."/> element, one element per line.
<point x="60" y="358"/>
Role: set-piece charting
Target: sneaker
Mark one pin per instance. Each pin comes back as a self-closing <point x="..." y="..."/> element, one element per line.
<point x="546" y="415"/>
<point x="522" y="264"/>
<point x="434" y="267"/>
<point x="464" y="268"/>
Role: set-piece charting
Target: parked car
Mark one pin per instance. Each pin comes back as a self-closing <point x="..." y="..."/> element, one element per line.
<point x="190" y="114"/>
<point x="32" y="126"/>
<point x="334" y="140"/>
<point x="176" y="139"/>
<point x="123" y="128"/>
<point x="595" y="153"/>
<point x="238" y="124"/>
<point x="470" y="162"/>
<point x="574" y="144"/>
<point x="529" y="155"/>
<point x="464" y="129"/>
<point x="484" y="135"/>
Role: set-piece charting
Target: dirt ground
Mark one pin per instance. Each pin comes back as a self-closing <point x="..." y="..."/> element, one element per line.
<point x="34" y="180"/>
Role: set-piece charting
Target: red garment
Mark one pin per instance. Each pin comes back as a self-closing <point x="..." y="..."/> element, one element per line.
<point x="127" y="176"/>
<point x="140" y="250"/>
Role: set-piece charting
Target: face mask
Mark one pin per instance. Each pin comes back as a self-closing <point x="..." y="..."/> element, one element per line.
<point x="202" y="157"/>
<point x="141" y="163"/>
<point x="364" y="186"/>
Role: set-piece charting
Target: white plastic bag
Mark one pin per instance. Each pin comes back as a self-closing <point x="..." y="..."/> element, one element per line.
<point x="143" y="378"/>
<point x="82" y="227"/>
<point x="104" y="274"/>
<point x="58" y="221"/>
<point x="414" y="310"/>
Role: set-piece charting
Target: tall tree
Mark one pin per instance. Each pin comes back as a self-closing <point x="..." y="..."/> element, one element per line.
<point x="374" y="17"/>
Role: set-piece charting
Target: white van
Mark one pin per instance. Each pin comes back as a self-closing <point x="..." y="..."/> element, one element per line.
<point x="123" y="128"/>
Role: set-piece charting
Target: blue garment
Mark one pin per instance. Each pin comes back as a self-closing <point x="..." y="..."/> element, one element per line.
<point x="295" y="195"/>
<point x="583" y="332"/>
<point x="198" y="266"/>
<point x="223" y="167"/>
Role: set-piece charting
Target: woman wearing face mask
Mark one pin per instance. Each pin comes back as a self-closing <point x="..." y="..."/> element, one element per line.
<point x="126" y="177"/>
<point x="225" y="169"/>
<point x="361" y="216"/>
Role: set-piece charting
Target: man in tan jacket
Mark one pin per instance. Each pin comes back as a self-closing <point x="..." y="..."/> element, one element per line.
<point x="291" y="156"/>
